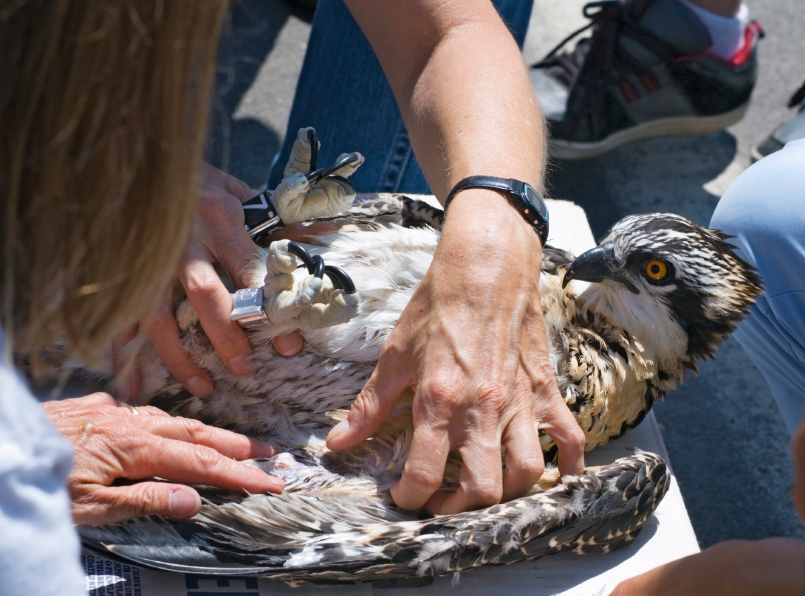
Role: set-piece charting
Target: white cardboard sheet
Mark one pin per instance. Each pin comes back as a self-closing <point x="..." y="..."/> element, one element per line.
<point x="668" y="535"/>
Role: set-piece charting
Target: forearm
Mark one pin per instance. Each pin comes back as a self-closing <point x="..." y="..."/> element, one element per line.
<point x="463" y="90"/>
<point x="472" y="339"/>
<point x="774" y="566"/>
<point x="798" y="453"/>
<point x="771" y="567"/>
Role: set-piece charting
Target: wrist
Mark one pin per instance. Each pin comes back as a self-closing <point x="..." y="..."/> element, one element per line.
<point x="483" y="235"/>
<point x="481" y="211"/>
<point x="520" y="195"/>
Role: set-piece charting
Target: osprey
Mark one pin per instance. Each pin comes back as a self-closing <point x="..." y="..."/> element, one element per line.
<point x="624" y="322"/>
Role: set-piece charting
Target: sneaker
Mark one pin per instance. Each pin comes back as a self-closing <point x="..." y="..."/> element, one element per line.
<point x="790" y="130"/>
<point x="644" y="72"/>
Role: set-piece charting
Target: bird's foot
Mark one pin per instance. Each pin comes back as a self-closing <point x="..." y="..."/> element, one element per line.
<point x="310" y="303"/>
<point x="307" y="192"/>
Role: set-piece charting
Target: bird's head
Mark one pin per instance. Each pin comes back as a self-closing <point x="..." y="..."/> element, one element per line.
<point x="677" y="286"/>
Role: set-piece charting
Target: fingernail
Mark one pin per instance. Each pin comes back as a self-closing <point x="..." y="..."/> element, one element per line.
<point x="199" y="386"/>
<point x="124" y="391"/>
<point x="265" y="449"/>
<point x="289" y="344"/>
<point x="184" y="503"/>
<point x="277" y="485"/>
<point x="241" y="365"/>
<point x="338" y="430"/>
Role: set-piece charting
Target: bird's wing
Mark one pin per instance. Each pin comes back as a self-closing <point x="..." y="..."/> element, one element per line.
<point x="554" y="259"/>
<point x="330" y="537"/>
<point x="372" y="211"/>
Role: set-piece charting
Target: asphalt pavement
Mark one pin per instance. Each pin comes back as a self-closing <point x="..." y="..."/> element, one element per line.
<point x="727" y="443"/>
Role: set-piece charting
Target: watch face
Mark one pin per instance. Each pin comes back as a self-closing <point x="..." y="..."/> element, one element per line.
<point x="537" y="201"/>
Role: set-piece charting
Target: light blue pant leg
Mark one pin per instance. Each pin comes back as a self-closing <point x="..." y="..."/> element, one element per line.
<point x="765" y="210"/>
<point x="343" y="93"/>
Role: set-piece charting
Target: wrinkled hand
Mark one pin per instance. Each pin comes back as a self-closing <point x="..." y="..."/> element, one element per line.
<point x="219" y="237"/>
<point x="112" y="442"/>
<point x="472" y="345"/>
<point x="771" y="567"/>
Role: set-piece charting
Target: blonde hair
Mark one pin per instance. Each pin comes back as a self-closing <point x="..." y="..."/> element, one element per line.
<point x="103" y="115"/>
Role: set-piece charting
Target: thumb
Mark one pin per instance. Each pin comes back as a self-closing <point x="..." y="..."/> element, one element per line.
<point x="289" y="344"/>
<point x="563" y="428"/>
<point x="238" y="188"/>
<point x="239" y="258"/>
<point x="370" y="409"/>
<point x="111" y="505"/>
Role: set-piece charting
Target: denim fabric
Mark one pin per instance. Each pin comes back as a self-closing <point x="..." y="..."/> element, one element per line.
<point x="765" y="210"/>
<point x="343" y="93"/>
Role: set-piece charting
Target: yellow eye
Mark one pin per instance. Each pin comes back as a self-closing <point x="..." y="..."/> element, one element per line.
<point x="656" y="270"/>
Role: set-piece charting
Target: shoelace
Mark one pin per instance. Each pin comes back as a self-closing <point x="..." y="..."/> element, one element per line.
<point x="551" y="59"/>
<point x="609" y="19"/>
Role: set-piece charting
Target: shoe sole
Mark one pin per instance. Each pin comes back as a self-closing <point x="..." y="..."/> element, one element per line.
<point x="663" y="127"/>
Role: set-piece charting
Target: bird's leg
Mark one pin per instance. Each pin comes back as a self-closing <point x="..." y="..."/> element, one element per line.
<point x="283" y="297"/>
<point x="309" y="303"/>
<point x="305" y="304"/>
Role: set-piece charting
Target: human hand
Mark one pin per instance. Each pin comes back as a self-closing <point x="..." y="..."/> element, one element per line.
<point x="472" y="344"/>
<point x="112" y="441"/>
<point x="219" y="237"/>
<point x="775" y="566"/>
<point x="798" y="455"/>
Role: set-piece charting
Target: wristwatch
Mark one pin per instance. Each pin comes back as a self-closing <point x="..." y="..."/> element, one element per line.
<point x="522" y="196"/>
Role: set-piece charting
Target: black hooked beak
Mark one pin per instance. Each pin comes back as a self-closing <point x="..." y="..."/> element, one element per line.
<point x="595" y="266"/>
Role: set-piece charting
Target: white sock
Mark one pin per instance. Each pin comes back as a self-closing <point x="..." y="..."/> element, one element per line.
<point x="727" y="33"/>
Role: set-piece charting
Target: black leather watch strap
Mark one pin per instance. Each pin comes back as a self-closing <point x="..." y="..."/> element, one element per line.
<point x="522" y="196"/>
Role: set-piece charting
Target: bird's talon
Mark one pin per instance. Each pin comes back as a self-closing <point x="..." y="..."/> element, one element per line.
<point x="340" y="279"/>
<point x="316" y="267"/>
<point x="287" y="303"/>
<point x="313" y="141"/>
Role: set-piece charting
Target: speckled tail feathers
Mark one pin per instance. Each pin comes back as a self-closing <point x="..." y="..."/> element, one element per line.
<point x="331" y="538"/>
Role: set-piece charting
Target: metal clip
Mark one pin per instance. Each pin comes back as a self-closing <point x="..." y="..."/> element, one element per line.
<point x="247" y="309"/>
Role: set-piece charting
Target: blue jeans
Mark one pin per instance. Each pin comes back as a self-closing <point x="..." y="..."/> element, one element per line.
<point x="342" y="92"/>
<point x="765" y="210"/>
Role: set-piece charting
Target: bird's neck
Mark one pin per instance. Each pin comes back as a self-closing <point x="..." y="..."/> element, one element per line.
<point x="655" y="339"/>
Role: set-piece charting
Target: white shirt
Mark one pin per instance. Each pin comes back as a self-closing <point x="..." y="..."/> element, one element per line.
<point x="39" y="547"/>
